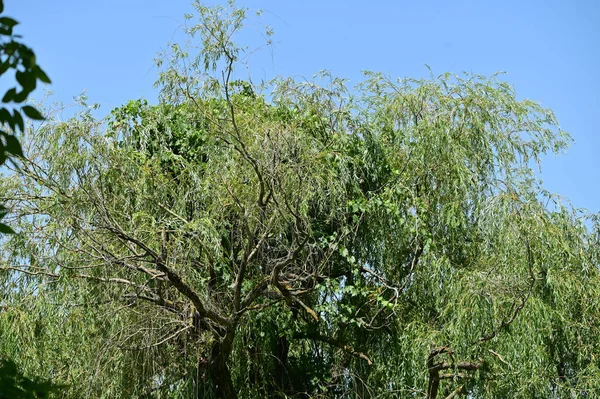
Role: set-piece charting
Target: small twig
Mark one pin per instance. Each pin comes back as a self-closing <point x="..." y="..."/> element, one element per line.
<point x="457" y="391"/>
<point x="168" y="338"/>
<point x="500" y="358"/>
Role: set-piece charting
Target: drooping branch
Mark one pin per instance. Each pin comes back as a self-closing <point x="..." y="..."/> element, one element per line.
<point x="518" y="305"/>
<point x="413" y="264"/>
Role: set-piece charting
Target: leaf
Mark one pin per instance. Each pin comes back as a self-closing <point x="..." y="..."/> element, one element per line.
<point x="21" y="96"/>
<point x="4" y="66"/>
<point x="8" y="97"/>
<point x="11" y="121"/>
<point x="13" y="145"/>
<point x="18" y="119"/>
<point x="32" y="113"/>
<point x="7" y="21"/>
<point x="5" y="229"/>
<point x="27" y="80"/>
<point x="41" y="75"/>
<point x="344" y="252"/>
<point x="5" y="116"/>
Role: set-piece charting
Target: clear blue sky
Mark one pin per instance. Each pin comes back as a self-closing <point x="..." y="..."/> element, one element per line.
<point x="549" y="49"/>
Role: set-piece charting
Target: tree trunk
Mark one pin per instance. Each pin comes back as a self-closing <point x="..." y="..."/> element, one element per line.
<point x="280" y="373"/>
<point x="220" y="375"/>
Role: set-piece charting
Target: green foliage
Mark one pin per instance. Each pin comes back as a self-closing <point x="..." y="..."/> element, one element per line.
<point x="20" y="58"/>
<point x="14" y="385"/>
<point x="15" y="56"/>
<point x="300" y="239"/>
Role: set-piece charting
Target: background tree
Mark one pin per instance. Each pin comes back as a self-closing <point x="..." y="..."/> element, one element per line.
<point x="300" y="239"/>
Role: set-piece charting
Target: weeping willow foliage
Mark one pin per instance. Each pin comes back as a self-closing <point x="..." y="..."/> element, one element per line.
<point x="299" y="239"/>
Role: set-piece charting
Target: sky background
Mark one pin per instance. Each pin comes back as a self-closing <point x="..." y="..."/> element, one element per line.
<point x="549" y="49"/>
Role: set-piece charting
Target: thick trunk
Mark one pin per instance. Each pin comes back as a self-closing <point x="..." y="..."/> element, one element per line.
<point x="220" y="375"/>
<point x="281" y="382"/>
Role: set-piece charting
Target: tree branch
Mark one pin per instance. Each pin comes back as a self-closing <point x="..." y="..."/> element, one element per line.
<point x="330" y="341"/>
<point x="174" y="279"/>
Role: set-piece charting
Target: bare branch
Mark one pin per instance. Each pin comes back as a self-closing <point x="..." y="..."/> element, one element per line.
<point x="34" y="272"/>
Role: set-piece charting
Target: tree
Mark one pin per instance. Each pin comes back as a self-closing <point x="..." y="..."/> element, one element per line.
<point x="300" y="239"/>
<point x="17" y="56"/>
<point x="20" y="58"/>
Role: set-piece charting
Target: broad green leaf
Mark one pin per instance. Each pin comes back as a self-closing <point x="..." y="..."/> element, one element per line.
<point x="41" y="75"/>
<point x="9" y="96"/>
<point x="13" y="145"/>
<point x="8" y="22"/>
<point x="5" y="229"/>
<point x="32" y="113"/>
<point x="18" y="120"/>
<point x="5" y="115"/>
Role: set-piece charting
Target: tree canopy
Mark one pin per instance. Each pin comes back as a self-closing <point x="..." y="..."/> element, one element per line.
<point x="299" y="239"/>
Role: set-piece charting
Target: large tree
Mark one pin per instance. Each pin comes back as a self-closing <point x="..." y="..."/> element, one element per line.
<point x="300" y="239"/>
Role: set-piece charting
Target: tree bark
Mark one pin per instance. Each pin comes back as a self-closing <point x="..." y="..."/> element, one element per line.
<point x="220" y="376"/>
<point x="219" y="372"/>
<point x="280" y="377"/>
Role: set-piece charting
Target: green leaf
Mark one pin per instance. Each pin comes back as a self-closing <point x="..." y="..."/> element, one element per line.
<point x="41" y="75"/>
<point x="7" y="21"/>
<point x="18" y="119"/>
<point x="27" y="80"/>
<point x="32" y="113"/>
<point x="13" y="146"/>
<point x="5" y="229"/>
<point x="4" y="66"/>
<point x="344" y="252"/>
<point x="5" y="115"/>
<point x="11" y="122"/>
<point x="8" y="97"/>
<point x="21" y="96"/>
<point x="11" y="47"/>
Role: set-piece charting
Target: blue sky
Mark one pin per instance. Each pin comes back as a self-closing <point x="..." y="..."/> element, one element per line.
<point x="549" y="49"/>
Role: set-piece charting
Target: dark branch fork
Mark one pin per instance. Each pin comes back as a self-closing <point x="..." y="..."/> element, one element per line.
<point x="434" y="367"/>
